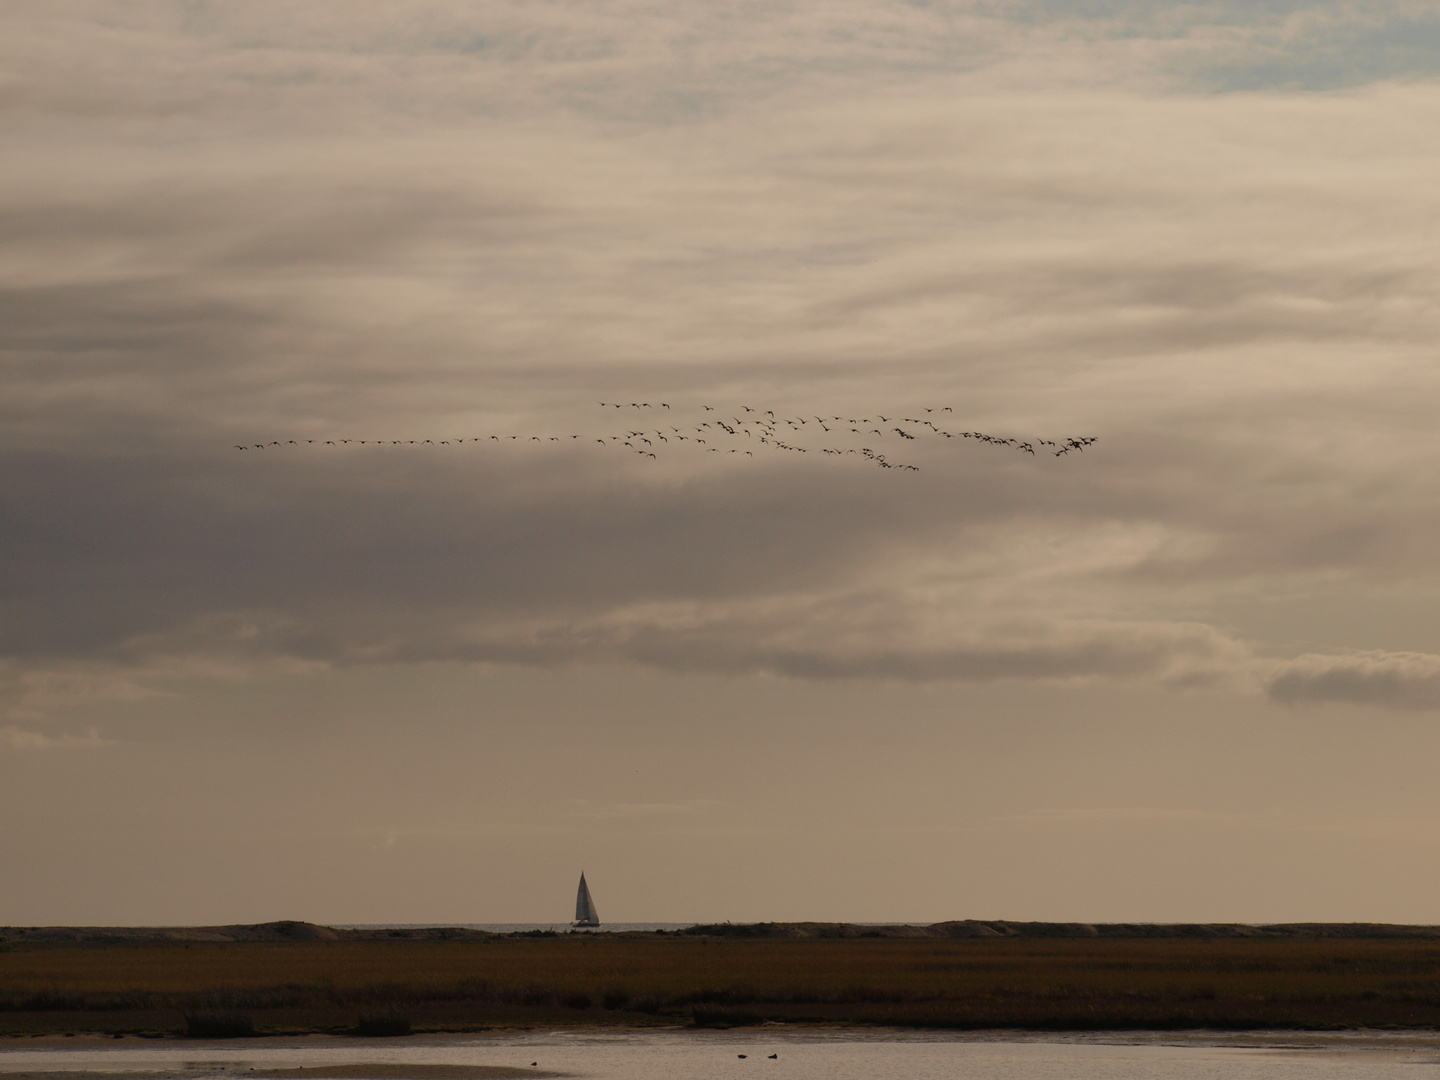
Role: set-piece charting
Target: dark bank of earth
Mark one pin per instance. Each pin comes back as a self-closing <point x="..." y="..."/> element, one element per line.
<point x="290" y="977"/>
<point x="259" y="933"/>
<point x="973" y="928"/>
<point x="370" y="1071"/>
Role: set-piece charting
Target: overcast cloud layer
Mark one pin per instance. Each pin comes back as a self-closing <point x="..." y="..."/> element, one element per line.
<point x="229" y="225"/>
<point x="1183" y="674"/>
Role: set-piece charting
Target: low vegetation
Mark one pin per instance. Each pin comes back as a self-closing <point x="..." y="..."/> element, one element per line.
<point x="230" y="989"/>
<point x="381" y="1025"/>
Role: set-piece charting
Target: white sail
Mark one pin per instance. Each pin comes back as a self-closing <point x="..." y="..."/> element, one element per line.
<point x="585" y="907"/>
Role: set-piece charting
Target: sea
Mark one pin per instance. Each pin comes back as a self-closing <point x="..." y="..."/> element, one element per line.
<point x="769" y="1053"/>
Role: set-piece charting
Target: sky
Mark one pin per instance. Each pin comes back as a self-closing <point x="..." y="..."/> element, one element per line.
<point x="1190" y="672"/>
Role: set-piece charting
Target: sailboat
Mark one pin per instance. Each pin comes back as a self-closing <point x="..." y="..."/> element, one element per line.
<point x="585" y="914"/>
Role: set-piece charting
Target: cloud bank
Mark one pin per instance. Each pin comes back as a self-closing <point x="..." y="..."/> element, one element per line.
<point x="1386" y="680"/>
<point x="432" y="219"/>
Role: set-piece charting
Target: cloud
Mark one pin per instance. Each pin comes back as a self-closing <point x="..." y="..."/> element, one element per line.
<point x="216" y="649"/>
<point x="395" y="224"/>
<point x="1392" y="680"/>
<point x="1106" y="815"/>
<point x="681" y="808"/>
<point x="21" y="739"/>
<point x="32" y="692"/>
<point x="879" y="637"/>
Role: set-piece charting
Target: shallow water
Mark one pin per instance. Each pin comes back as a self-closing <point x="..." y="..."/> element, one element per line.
<point x="801" y="1056"/>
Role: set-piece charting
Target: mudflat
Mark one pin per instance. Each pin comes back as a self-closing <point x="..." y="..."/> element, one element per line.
<point x="400" y="1072"/>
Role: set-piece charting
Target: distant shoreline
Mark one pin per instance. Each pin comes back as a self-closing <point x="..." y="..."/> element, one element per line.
<point x="294" y="930"/>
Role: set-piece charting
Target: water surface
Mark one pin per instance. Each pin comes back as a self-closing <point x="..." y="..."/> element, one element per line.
<point x="800" y="1056"/>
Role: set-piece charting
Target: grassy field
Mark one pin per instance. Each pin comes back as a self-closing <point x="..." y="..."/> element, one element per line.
<point x="585" y="979"/>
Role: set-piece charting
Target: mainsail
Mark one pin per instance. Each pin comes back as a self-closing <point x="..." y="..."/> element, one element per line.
<point x="585" y="907"/>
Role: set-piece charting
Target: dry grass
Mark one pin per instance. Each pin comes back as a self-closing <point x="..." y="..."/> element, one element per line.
<point x="619" y="979"/>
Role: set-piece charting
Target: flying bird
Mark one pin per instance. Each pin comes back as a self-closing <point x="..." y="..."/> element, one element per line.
<point x="768" y="423"/>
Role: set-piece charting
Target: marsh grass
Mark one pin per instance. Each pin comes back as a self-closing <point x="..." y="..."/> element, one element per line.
<point x="604" y="979"/>
<point x="218" y="1025"/>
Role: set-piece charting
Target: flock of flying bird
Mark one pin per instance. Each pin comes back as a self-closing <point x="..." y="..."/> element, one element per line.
<point x="747" y="433"/>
